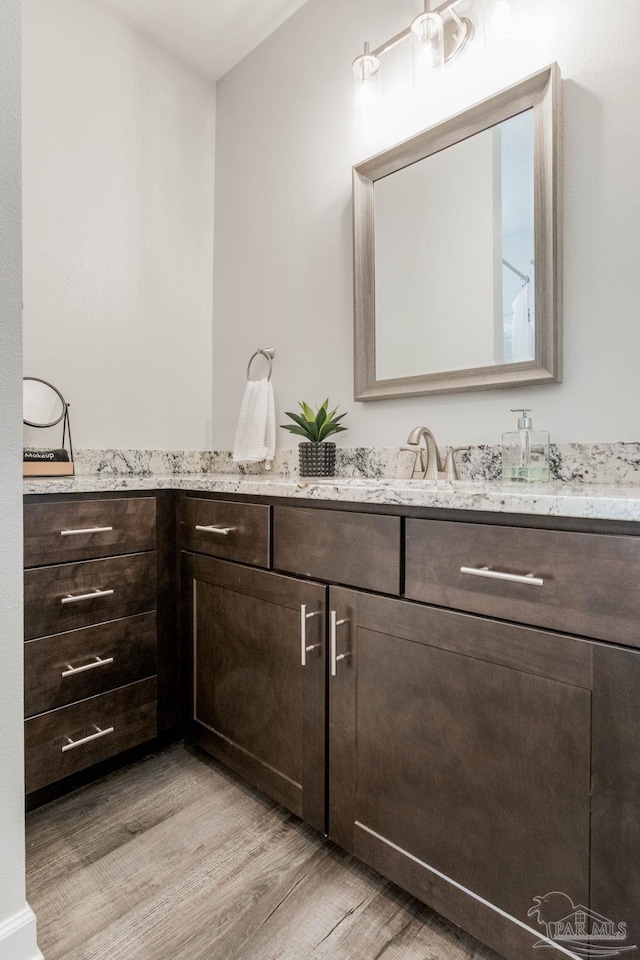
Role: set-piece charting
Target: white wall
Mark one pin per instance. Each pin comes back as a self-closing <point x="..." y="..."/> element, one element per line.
<point x="17" y="925"/>
<point x="118" y="228"/>
<point x="283" y="269"/>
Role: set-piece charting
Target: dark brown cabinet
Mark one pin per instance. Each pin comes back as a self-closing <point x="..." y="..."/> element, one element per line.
<point x="582" y="583"/>
<point x="63" y="531"/>
<point x="72" y="666"/>
<point x="615" y="805"/>
<point x="95" y="585"/>
<point x="258" y="701"/>
<point x="69" y="596"/>
<point x="479" y="763"/>
<point x="460" y="759"/>
<point x="62" y="742"/>
<point x="226" y="529"/>
<point x="469" y="758"/>
<point x="468" y="726"/>
<point x="356" y="549"/>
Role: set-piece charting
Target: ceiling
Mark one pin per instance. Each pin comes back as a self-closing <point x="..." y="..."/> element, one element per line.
<point x="210" y="35"/>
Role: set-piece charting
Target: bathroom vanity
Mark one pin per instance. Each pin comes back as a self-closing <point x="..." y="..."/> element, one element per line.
<point x="100" y="639"/>
<point x="448" y="692"/>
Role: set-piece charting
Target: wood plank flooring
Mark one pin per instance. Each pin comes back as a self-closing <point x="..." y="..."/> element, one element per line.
<point x="175" y="858"/>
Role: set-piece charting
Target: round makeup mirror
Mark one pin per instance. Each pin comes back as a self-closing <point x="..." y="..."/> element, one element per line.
<point x="42" y="404"/>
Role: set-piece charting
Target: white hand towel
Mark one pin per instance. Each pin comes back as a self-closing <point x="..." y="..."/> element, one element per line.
<point x="256" y="433"/>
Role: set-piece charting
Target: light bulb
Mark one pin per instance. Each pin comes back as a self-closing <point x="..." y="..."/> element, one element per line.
<point x="366" y="84"/>
<point x="427" y="39"/>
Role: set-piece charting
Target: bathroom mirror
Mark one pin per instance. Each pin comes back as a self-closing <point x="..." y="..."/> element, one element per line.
<point x="457" y="251"/>
<point x="42" y="404"/>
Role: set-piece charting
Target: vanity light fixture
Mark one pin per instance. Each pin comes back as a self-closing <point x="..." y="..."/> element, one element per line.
<point x="437" y="36"/>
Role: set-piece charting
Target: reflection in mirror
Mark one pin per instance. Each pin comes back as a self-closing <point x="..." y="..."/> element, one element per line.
<point x="42" y="404"/>
<point x="457" y="251"/>
<point x="454" y="248"/>
<point x="518" y="239"/>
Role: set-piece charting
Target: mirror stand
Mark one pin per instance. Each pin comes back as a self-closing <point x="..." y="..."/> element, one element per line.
<point x="44" y="407"/>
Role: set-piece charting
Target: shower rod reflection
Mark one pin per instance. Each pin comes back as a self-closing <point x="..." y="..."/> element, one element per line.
<point x="518" y="273"/>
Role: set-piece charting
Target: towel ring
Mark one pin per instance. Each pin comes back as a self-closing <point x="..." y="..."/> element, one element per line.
<point x="268" y="353"/>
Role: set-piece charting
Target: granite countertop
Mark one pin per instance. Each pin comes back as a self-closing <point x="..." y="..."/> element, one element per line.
<point x="555" y="499"/>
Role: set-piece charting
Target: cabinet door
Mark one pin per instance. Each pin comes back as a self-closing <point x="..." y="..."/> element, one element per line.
<point x="460" y="760"/>
<point x="255" y="705"/>
<point x="615" y="819"/>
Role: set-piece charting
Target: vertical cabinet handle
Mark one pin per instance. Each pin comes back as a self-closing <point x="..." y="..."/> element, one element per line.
<point x="333" y="643"/>
<point x="304" y="616"/>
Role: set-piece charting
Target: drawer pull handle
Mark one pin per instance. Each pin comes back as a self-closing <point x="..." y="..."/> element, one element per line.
<point x="75" y="533"/>
<point x="528" y="578"/>
<point x="304" y="649"/>
<point x="86" y="596"/>
<point x="221" y="531"/>
<point x="72" y="744"/>
<point x="98" y="662"/>
<point x="333" y="642"/>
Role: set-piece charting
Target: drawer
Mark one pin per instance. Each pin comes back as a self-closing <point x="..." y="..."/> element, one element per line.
<point x="226" y="529"/>
<point x="83" y="663"/>
<point x="64" y="741"/>
<point x="74" y="595"/>
<point x="355" y="549"/>
<point x="580" y="583"/>
<point x="86" y="529"/>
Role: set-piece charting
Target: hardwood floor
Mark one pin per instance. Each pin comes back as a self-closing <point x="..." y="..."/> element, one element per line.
<point x="174" y="858"/>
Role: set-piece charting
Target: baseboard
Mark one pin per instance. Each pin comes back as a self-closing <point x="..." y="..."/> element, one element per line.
<point x="18" y="937"/>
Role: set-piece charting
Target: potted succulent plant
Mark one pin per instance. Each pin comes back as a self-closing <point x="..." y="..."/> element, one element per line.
<point x="317" y="457"/>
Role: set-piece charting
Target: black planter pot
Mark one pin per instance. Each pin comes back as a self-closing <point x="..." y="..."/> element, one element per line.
<point x="317" y="459"/>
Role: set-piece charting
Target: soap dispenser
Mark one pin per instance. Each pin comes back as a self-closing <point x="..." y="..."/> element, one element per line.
<point x="525" y="452"/>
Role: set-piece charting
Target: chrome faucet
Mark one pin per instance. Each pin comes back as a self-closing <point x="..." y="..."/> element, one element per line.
<point x="428" y="465"/>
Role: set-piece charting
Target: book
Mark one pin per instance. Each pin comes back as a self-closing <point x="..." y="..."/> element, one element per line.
<point x="45" y="456"/>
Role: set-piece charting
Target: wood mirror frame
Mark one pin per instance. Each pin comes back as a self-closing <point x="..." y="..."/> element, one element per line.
<point x="540" y="92"/>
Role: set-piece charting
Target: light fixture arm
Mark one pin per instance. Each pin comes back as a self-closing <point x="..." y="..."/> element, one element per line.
<point x="442" y="8"/>
<point x="446" y="5"/>
<point x="389" y="44"/>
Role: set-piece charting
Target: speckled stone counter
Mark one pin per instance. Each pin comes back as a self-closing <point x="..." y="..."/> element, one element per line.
<point x="555" y="499"/>
<point x="593" y="463"/>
